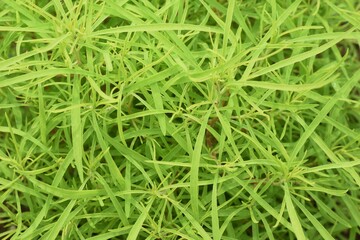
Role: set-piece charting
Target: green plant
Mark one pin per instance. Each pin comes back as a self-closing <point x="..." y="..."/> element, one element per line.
<point x="179" y="119"/>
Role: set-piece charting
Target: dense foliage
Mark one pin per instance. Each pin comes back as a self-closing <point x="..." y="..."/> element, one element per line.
<point x="178" y="119"/>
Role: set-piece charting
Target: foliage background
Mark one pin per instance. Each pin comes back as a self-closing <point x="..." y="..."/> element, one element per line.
<point x="179" y="119"/>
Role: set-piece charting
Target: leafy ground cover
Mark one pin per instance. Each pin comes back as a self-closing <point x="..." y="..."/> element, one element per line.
<point x="205" y="119"/>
